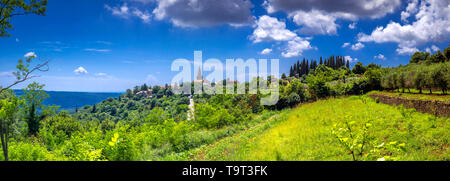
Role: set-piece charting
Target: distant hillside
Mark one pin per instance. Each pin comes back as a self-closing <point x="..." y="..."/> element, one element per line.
<point x="70" y="100"/>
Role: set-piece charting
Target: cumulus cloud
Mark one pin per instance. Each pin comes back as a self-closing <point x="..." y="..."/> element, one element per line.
<point x="204" y="13"/>
<point x="266" y="51"/>
<point x="350" y="59"/>
<point x="357" y="46"/>
<point x="125" y="12"/>
<point x="270" y="29"/>
<point x="30" y="54"/>
<point x="380" y="56"/>
<point x="349" y="8"/>
<point x="404" y="50"/>
<point x="295" y="47"/>
<point x="319" y="16"/>
<point x="410" y="9"/>
<point x="315" y="22"/>
<point x="432" y="24"/>
<point x="80" y="70"/>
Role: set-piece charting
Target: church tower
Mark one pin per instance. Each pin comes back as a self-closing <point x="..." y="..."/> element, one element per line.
<point x="199" y="74"/>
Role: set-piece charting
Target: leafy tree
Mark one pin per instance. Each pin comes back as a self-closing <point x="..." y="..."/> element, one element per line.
<point x="11" y="8"/>
<point x="437" y="57"/>
<point x="33" y="97"/>
<point x="419" y="57"/>
<point x="9" y="106"/>
<point x="359" y="68"/>
<point x="419" y="80"/>
<point x="447" y="53"/>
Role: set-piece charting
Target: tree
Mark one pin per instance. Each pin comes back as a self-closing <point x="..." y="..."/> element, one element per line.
<point x="437" y="57"/>
<point x="419" y="57"/>
<point x="144" y="87"/>
<point x="33" y="97"/>
<point x="11" y="8"/>
<point x="447" y="53"/>
<point x="24" y="71"/>
<point x="359" y="68"/>
<point x="419" y="80"/>
<point x="438" y="76"/>
<point x="9" y="106"/>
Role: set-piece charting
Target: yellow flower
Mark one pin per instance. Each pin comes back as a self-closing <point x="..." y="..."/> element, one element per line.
<point x="111" y="143"/>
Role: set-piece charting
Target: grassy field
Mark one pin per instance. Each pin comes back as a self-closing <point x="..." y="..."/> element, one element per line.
<point x="413" y="95"/>
<point x="305" y="133"/>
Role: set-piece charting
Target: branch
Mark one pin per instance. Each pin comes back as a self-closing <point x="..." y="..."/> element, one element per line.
<point x="40" y="67"/>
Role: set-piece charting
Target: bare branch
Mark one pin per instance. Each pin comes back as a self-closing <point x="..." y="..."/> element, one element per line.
<point x="40" y="67"/>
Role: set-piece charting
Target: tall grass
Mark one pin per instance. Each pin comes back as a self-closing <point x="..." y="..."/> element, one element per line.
<point x="305" y="133"/>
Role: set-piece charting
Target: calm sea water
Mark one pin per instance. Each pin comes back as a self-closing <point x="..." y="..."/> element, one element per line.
<point x="71" y="100"/>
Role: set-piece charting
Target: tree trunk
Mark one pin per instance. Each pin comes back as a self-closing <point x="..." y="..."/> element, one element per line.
<point x="4" y="146"/>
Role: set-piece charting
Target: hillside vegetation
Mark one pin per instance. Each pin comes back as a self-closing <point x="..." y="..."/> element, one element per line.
<point x="309" y="133"/>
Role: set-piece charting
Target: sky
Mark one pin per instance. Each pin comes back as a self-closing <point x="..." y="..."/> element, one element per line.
<point x="113" y="45"/>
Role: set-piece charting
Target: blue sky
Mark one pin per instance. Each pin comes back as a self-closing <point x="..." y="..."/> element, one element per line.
<point x="115" y="45"/>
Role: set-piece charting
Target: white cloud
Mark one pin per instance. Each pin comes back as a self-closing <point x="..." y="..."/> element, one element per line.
<point x="80" y="70"/>
<point x="266" y="51"/>
<point x="345" y="45"/>
<point x="101" y="74"/>
<point x="30" y="54"/>
<point x="104" y="42"/>
<point x="17" y="40"/>
<point x="270" y="29"/>
<point x="315" y="22"/>
<point x="404" y="50"/>
<point x="296" y="47"/>
<point x="348" y="8"/>
<point x="432" y="24"/>
<point x="125" y="12"/>
<point x="350" y="59"/>
<point x="96" y="50"/>
<point x="352" y="25"/>
<point x="410" y="9"/>
<point x="204" y="13"/>
<point x="435" y="48"/>
<point x="380" y="56"/>
<point x="357" y="46"/>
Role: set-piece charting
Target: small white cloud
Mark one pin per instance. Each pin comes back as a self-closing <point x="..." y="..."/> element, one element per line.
<point x="357" y="46"/>
<point x="80" y="70"/>
<point x="380" y="56"/>
<point x="96" y="50"/>
<point x="352" y="26"/>
<point x="101" y="74"/>
<point x="125" y="12"/>
<point x="30" y="54"/>
<point x="435" y="48"/>
<point x="104" y="42"/>
<point x="404" y="50"/>
<point x="266" y="51"/>
<point x="17" y="40"/>
<point x="350" y="59"/>
<point x="345" y="45"/>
